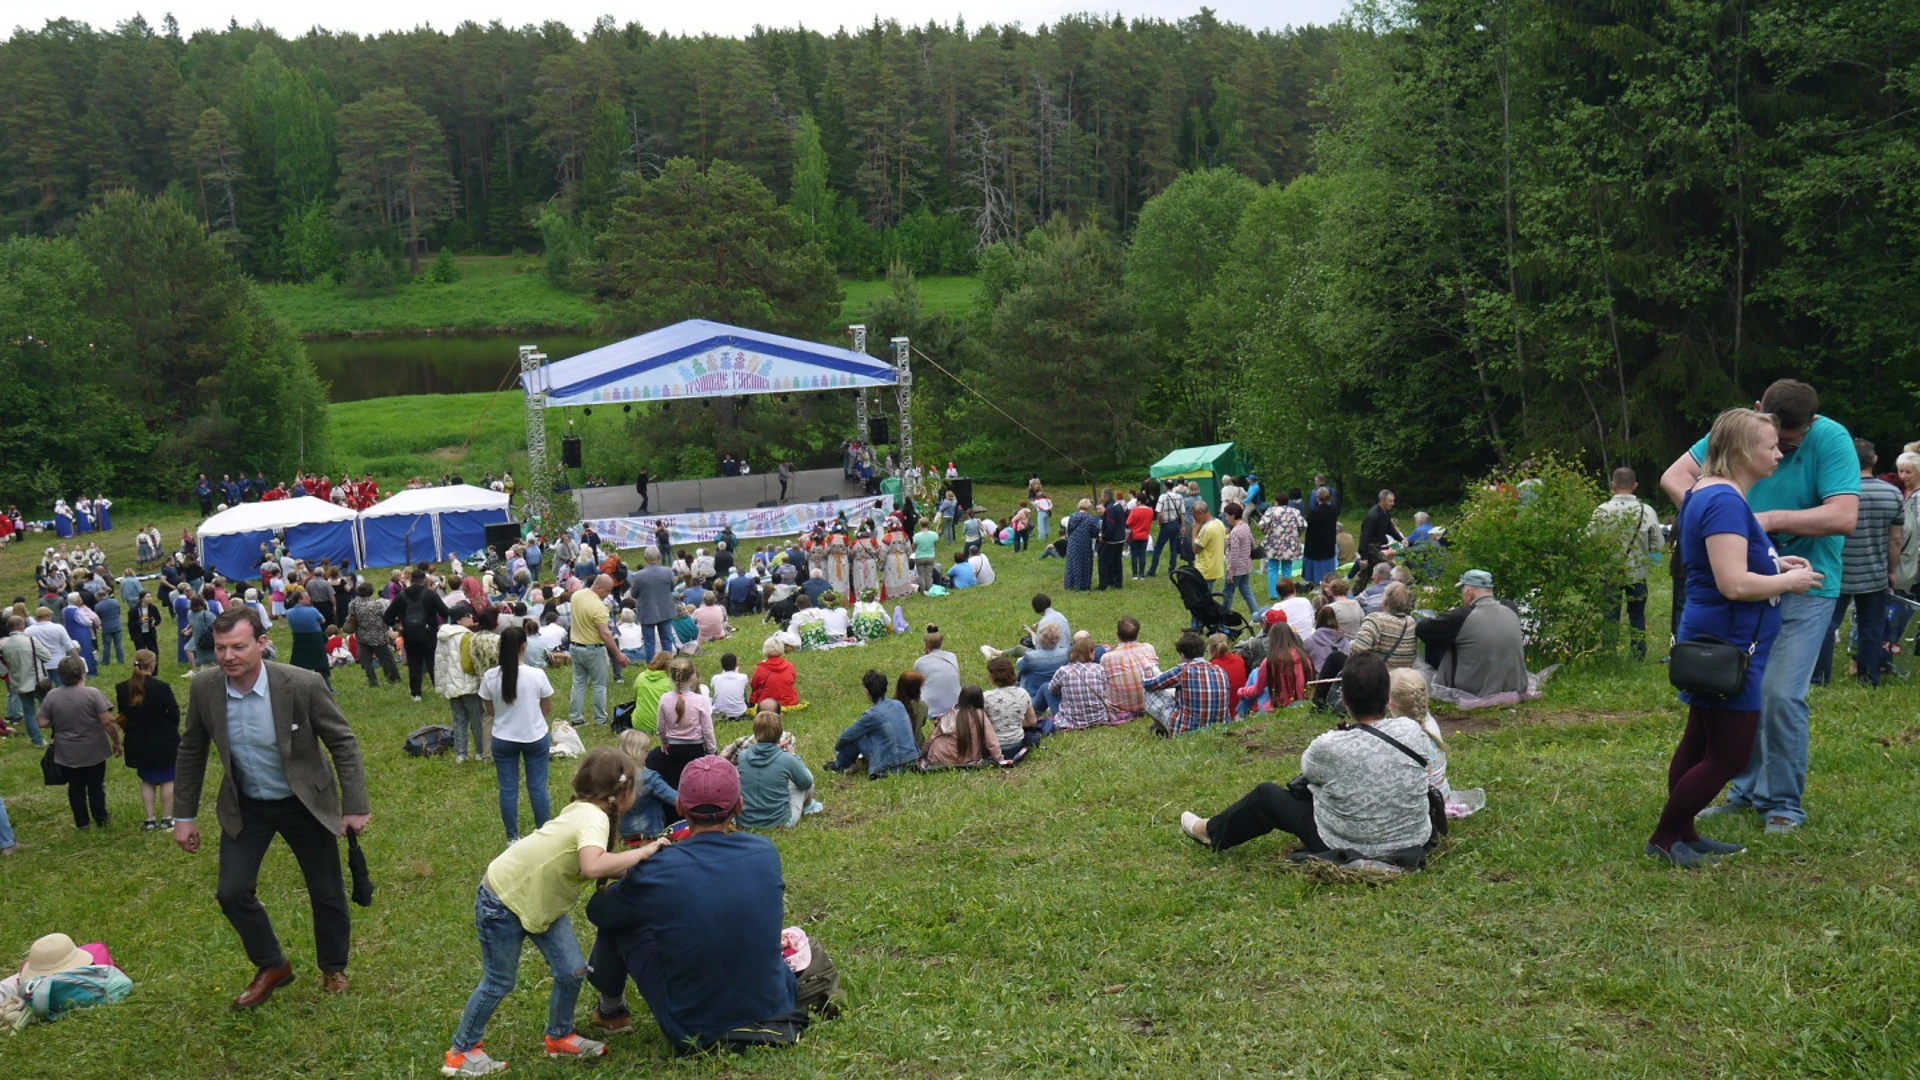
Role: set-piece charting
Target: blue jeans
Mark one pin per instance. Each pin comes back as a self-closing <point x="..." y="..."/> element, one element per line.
<point x="110" y="646"/>
<point x="29" y="710"/>
<point x="1277" y="569"/>
<point x="1775" y="778"/>
<point x="500" y="938"/>
<point x="1043" y="521"/>
<point x="591" y="667"/>
<point x="1315" y="569"/>
<point x="1869" y="629"/>
<point x="1168" y="535"/>
<point x="656" y="637"/>
<point x="1239" y="582"/>
<point x="1635" y="596"/>
<point x="6" y="828"/>
<point x="507" y="757"/>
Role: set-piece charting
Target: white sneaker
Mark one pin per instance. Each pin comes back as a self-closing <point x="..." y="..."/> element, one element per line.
<point x="460" y="759"/>
<point x="989" y="651"/>
<point x="1193" y="824"/>
<point x="416" y="698"/>
<point x="474" y="1062"/>
<point x="814" y="807"/>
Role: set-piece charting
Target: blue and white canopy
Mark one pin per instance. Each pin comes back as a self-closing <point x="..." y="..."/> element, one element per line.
<point x="697" y="359"/>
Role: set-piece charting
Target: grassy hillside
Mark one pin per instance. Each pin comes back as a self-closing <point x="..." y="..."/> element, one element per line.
<point x="953" y="295"/>
<point x="493" y="293"/>
<point x="1050" y="921"/>
<point x="502" y="292"/>
<point x="395" y="438"/>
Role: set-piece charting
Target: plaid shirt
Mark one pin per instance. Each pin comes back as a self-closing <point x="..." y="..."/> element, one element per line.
<point x="1128" y="665"/>
<point x="1079" y="696"/>
<point x="1201" y="693"/>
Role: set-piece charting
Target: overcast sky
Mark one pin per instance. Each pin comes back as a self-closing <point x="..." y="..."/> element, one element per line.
<point x="730" y="17"/>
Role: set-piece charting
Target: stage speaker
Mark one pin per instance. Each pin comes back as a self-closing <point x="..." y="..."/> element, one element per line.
<point x="503" y="536"/>
<point x="962" y="491"/>
<point x="877" y="430"/>
<point x="570" y="451"/>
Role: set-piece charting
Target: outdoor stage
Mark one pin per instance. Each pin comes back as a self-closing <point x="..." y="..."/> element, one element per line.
<point x="676" y="497"/>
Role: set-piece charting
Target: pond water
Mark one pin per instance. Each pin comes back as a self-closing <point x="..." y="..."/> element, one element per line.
<point x="363" y="368"/>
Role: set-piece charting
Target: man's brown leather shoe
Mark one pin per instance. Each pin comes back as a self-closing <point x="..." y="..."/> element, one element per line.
<point x="263" y="986"/>
<point x="333" y="982"/>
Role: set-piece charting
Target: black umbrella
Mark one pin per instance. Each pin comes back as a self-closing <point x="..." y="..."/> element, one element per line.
<point x="357" y="862"/>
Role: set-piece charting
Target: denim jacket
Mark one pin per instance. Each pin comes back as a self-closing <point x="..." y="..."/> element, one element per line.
<point x="654" y="800"/>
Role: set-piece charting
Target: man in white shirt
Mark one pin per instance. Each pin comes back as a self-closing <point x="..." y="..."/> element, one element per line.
<point x="730" y="689"/>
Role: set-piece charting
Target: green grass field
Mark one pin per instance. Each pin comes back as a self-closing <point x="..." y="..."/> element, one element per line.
<point x="508" y="292"/>
<point x="495" y="292"/>
<point x="951" y="295"/>
<point x="394" y="438"/>
<point x="1050" y="920"/>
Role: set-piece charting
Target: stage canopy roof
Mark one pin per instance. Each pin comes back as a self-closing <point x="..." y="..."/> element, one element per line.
<point x="698" y="359"/>
<point x="277" y="514"/>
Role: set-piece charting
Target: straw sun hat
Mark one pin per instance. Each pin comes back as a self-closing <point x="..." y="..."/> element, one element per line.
<point x="53" y="954"/>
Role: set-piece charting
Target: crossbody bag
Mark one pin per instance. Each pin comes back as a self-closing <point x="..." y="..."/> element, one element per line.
<point x="1712" y="666"/>
<point x="1436" y="803"/>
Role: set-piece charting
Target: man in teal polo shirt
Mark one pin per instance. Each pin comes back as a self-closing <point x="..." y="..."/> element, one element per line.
<point x="1809" y="505"/>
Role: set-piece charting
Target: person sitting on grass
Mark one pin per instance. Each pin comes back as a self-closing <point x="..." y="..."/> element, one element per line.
<point x="1192" y="694"/>
<point x="1221" y="655"/>
<point x="1408" y="697"/>
<point x="730" y="689"/>
<point x="526" y="893"/>
<point x="960" y="575"/>
<point x="1358" y="793"/>
<point x="686" y="722"/>
<point x="776" y="789"/>
<point x="1283" y="677"/>
<point x="1079" y="689"/>
<point x="711" y="618"/>
<point x="774" y="677"/>
<point x="1037" y="665"/>
<point x="1010" y="709"/>
<point x="883" y="734"/>
<point x="698" y="930"/>
<point x="653" y="797"/>
<point x="1128" y="664"/>
<point x="963" y="736"/>
<point x="649" y="687"/>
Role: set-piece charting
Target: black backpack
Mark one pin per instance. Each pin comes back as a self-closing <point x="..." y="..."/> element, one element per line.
<point x="413" y="621"/>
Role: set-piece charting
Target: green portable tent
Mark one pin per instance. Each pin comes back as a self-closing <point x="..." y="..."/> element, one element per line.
<point x="1206" y="464"/>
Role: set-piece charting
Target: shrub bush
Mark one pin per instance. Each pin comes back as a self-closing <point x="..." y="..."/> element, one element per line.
<point x="369" y="272"/>
<point x="1532" y="533"/>
<point x="443" y="271"/>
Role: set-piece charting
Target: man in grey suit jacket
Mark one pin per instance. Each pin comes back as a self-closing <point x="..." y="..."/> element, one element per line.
<point x="271" y="723"/>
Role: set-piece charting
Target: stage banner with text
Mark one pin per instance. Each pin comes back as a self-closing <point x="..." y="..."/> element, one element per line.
<point x="633" y="532"/>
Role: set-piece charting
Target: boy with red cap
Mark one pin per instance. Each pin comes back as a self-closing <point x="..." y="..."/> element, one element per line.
<point x="698" y="927"/>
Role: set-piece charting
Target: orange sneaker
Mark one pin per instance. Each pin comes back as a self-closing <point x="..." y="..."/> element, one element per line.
<point x="474" y="1062"/>
<point x="575" y="1047"/>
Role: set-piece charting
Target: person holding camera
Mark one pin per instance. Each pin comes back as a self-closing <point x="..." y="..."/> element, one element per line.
<point x="1361" y="788"/>
<point x="1734" y="581"/>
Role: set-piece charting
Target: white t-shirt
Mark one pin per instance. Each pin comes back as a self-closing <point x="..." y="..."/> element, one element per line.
<point x="982" y="570"/>
<point x="836" y="620"/>
<point x="730" y="694"/>
<point x="522" y="721"/>
<point x="1299" y="612"/>
<point x="630" y="637"/>
<point x="553" y="635"/>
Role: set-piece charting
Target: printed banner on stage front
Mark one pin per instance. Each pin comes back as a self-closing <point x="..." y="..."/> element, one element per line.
<point x="633" y="532"/>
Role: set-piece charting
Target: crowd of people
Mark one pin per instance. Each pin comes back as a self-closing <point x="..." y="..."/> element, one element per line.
<point x="1780" y="518"/>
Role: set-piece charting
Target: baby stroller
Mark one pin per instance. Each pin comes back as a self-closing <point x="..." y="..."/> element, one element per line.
<point x="1205" y="607"/>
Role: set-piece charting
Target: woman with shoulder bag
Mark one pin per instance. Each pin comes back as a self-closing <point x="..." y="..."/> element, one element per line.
<point x="1734" y="581"/>
<point x="150" y="717"/>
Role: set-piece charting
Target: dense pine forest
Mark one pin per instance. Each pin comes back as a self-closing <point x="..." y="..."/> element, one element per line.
<point x="1438" y="238"/>
<point x="923" y="143"/>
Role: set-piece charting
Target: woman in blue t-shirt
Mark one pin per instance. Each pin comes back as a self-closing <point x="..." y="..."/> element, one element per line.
<point x="1734" y="581"/>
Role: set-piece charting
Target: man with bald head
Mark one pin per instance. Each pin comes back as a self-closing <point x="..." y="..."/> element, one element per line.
<point x="595" y="652"/>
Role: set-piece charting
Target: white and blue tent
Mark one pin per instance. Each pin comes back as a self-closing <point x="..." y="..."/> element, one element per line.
<point x="315" y="529"/>
<point x="429" y="523"/>
<point x="698" y="358"/>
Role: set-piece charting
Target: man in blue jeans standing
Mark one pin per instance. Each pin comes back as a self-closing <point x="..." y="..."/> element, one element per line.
<point x="1170" y="510"/>
<point x="1810" y="504"/>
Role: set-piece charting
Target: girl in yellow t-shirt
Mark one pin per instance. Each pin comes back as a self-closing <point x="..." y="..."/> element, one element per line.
<point x="526" y="893"/>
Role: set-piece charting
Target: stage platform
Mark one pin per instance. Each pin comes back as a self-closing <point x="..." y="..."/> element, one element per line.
<point x="675" y="497"/>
